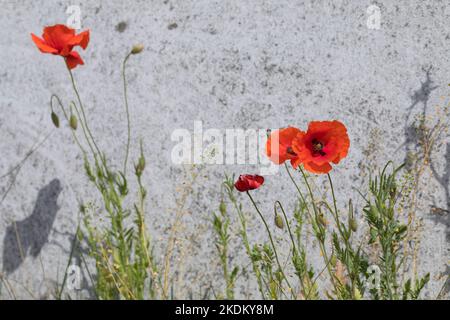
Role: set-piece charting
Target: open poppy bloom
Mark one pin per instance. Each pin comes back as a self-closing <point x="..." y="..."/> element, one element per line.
<point x="248" y="182"/>
<point x="279" y="146"/>
<point x="60" y="40"/>
<point x="324" y="142"/>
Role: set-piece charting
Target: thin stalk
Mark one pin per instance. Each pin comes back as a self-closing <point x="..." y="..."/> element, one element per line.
<point x="72" y="251"/>
<point x="66" y="116"/>
<point x="83" y="111"/>
<point x="271" y="241"/>
<point x="321" y="243"/>
<point x="127" y="112"/>
<point x="296" y="253"/>
<point x="339" y="227"/>
<point x="287" y="223"/>
<point x="247" y="245"/>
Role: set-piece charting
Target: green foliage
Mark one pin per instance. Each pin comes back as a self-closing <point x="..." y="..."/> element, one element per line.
<point x="347" y="265"/>
<point x="114" y="235"/>
<point x="387" y="231"/>
<point x="221" y="224"/>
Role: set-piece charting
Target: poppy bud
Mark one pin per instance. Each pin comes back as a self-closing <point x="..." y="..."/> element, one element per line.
<point x="353" y="224"/>
<point x="55" y="119"/>
<point x="141" y="163"/>
<point x="140" y="166"/>
<point x="137" y="48"/>
<point x="248" y="182"/>
<point x="322" y="220"/>
<point x="279" y="221"/>
<point x="73" y="122"/>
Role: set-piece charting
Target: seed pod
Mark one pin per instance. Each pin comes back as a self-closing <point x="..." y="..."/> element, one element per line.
<point x="141" y="163"/>
<point x="322" y="220"/>
<point x="279" y="221"/>
<point x="55" y="119"/>
<point x="353" y="224"/>
<point x="73" y="122"/>
<point x="137" y="48"/>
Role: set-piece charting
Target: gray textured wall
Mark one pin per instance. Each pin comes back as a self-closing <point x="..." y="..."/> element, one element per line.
<point x="249" y="64"/>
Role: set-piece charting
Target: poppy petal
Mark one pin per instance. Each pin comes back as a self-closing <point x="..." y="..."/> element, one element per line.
<point x="58" y="36"/>
<point x="248" y="182"/>
<point x="42" y="46"/>
<point x="81" y="39"/>
<point x="279" y="144"/>
<point x="73" y="59"/>
<point x="316" y="168"/>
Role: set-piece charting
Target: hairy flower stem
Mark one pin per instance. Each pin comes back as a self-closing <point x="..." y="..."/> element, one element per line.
<point x="287" y="223"/>
<point x="246" y="242"/>
<point x="294" y="247"/>
<point x="335" y="214"/>
<point x="344" y="237"/>
<point x="66" y="117"/>
<point x="272" y="243"/>
<point x="127" y="112"/>
<point x="321" y="241"/>
<point x="83" y="113"/>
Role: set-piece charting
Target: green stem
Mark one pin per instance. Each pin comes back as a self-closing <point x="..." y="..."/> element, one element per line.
<point x="72" y="251"/>
<point x="66" y="116"/>
<point x="336" y="214"/>
<point x="271" y="241"/>
<point x="83" y="113"/>
<point x="341" y="232"/>
<point x="296" y="253"/>
<point x="247" y="245"/>
<point x="321" y="243"/>
<point x="287" y="223"/>
<point x="127" y="112"/>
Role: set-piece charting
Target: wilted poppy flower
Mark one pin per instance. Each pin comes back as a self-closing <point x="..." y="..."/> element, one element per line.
<point x="60" y="40"/>
<point x="279" y="146"/>
<point x="324" y="142"/>
<point x="248" y="182"/>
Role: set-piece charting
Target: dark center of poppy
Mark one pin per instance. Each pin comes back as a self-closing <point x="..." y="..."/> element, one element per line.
<point x="317" y="147"/>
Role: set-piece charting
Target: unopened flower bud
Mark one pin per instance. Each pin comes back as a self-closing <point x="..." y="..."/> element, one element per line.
<point x="322" y="220"/>
<point x="73" y="122"/>
<point x="55" y="119"/>
<point x="141" y="163"/>
<point x="353" y="224"/>
<point x="279" y="221"/>
<point x="137" y="48"/>
<point x="140" y="166"/>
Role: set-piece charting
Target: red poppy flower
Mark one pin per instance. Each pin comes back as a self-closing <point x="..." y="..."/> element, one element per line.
<point x="60" y="40"/>
<point x="279" y="146"/>
<point x="324" y="142"/>
<point x="248" y="182"/>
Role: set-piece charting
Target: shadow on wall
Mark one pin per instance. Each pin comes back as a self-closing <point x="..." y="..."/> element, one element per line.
<point x="421" y="97"/>
<point x="28" y="236"/>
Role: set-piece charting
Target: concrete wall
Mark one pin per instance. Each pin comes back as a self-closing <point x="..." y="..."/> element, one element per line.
<point x="230" y="64"/>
